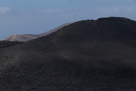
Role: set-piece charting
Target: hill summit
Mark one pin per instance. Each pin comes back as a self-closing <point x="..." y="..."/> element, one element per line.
<point x="27" y="37"/>
<point x="88" y="55"/>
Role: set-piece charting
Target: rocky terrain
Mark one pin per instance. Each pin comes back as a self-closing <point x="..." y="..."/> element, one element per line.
<point x="88" y="55"/>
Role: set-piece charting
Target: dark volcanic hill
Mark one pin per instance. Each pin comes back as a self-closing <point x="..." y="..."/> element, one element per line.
<point x="89" y="55"/>
<point x="4" y="44"/>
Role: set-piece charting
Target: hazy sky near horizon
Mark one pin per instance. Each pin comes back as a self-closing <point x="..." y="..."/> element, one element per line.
<point x="38" y="16"/>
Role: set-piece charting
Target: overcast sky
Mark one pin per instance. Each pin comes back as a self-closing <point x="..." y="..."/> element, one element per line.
<point x="38" y="16"/>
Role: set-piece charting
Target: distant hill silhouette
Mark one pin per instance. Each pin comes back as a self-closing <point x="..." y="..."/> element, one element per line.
<point x="27" y="37"/>
<point x="88" y="55"/>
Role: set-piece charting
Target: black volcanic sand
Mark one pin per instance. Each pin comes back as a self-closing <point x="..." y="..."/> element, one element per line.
<point x="89" y="55"/>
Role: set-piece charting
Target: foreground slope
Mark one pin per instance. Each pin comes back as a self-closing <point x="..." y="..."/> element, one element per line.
<point x="27" y="37"/>
<point x="89" y="55"/>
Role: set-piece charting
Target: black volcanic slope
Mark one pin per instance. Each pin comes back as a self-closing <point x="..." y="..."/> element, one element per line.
<point x="89" y="55"/>
<point x="4" y="44"/>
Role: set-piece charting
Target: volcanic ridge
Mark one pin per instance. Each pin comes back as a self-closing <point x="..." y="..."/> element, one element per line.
<point x="88" y="55"/>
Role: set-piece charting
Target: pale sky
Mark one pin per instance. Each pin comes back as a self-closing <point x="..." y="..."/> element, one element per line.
<point x="38" y="16"/>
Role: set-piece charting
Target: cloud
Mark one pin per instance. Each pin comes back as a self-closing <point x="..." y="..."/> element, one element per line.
<point x="117" y="10"/>
<point x="4" y="10"/>
<point x="8" y="11"/>
<point x="50" y="11"/>
<point x="70" y="1"/>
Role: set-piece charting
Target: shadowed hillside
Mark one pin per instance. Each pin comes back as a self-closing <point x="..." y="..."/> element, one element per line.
<point x="4" y="44"/>
<point x="89" y="55"/>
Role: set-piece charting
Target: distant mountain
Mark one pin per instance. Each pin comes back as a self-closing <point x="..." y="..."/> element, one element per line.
<point x="27" y="37"/>
<point x="88" y="55"/>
